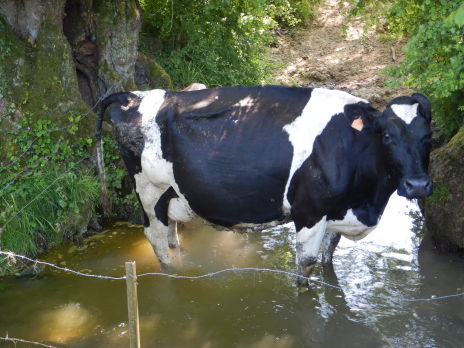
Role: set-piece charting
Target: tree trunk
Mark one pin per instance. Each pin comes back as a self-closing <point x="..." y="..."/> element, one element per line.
<point x="444" y="210"/>
<point x="61" y="57"/>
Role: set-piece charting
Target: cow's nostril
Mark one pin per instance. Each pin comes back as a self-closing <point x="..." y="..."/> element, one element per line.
<point x="409" y="185"/>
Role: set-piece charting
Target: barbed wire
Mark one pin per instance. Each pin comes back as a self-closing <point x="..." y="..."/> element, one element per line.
<point x="12" y="255"/>
<point x="20" y="340"/>
<point x="222" y="271"/>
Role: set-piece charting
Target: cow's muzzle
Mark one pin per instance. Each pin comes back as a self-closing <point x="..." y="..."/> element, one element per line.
<point x="418" y="186"/>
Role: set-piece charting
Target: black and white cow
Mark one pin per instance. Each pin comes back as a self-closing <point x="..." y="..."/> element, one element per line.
<point x="242" y="156"/>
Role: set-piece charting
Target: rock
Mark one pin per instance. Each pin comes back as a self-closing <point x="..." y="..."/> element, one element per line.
<point x="444" y="210"/>
<point x="150" y="75"/>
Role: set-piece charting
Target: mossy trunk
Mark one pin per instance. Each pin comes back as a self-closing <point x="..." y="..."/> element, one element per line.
<point x="59" y="57"/>
<point x="444" y="210"/>
<point x="39" y="75"/>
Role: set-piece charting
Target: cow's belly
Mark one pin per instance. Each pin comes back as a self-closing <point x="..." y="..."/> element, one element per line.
<point x="350" y="227"/>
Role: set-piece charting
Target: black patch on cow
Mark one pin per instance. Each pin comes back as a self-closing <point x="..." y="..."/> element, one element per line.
<point x="162" y="206"/>
<point x="230" y="154"/>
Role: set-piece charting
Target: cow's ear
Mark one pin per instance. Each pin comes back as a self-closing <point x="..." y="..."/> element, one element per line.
<point x="425" y="108"/>
<point x="361" y="113"/>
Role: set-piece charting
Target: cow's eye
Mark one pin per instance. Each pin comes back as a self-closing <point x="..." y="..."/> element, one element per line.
<point x="386" y="137"/>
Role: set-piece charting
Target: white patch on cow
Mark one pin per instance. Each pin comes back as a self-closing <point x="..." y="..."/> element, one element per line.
<point x="405" y="111"/>
<point x="179" y="210"/>
<point x="302" y="132"/>
<point x="156" y="176"/>
<point x="350" y="227"/>
<point x="156" y="232"/>
<point x="154" y="166"/>
<point x="150" y="104"/>
<point x="308" y="241"/>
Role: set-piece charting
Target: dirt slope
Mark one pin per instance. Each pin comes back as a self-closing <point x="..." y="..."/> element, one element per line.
<point x="338" y="54"/>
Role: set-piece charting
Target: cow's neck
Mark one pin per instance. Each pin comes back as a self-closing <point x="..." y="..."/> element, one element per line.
<point x="383" y="186"/>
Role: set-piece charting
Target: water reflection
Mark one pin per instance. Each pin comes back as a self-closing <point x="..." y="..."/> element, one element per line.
<point x="63" y="324"/>
<point x="327" y="320"/>
<point x="244" y="309"/>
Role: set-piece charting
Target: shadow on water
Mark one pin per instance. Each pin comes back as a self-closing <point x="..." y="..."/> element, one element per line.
<point x="244" y="309"/>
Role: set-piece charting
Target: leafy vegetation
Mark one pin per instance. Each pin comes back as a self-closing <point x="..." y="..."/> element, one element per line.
<point x="219" y="42"/>
<point x="45" y="190"/>
<point x="122" y="195"/>
<point x="434" y="54"/>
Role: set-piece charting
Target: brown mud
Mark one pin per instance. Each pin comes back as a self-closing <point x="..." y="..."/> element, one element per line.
<point x="336" y="52"/>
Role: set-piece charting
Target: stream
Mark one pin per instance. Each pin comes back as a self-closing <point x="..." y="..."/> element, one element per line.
<point x="379" y="276"/>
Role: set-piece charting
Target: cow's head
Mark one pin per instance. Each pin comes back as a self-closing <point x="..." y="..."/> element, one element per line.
<point x="404" y="128"/>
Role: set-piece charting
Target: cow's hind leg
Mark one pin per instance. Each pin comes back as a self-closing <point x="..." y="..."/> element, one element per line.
<point x="308" y="243"/>
<point x="173" y="238"/>
<point x="329" y="243"/>
<point x="155" y="201"/>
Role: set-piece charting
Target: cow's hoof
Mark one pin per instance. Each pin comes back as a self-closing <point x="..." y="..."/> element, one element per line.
<point x="167" y="268"/>
<point x="302" y="282"/>
<point x="304" y="270"/>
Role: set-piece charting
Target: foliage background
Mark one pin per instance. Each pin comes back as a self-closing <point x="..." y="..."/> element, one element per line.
<point x="218" y="42"/>
<point x="434" y="54"/>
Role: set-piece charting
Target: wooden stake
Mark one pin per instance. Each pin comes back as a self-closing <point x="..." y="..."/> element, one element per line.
<point x="132" y="305"/>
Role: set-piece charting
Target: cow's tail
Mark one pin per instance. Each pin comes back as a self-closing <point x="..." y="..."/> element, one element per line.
<point x="113" y="98"/>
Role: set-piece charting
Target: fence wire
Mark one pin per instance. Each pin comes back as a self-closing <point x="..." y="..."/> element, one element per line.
<point x="20" y="340"/>
<point x="311" y="280"/>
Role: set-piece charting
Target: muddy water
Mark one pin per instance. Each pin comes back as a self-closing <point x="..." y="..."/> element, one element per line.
<point x="244" y="309"/>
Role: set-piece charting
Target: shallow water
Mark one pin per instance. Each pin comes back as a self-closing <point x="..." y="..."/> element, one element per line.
<point x="253" y="310"/>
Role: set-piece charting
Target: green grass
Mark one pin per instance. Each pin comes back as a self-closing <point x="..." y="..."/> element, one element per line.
<point x="44" y="209"/>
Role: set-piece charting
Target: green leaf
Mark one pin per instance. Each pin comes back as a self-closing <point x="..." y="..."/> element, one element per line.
<point x="457" y="16"/>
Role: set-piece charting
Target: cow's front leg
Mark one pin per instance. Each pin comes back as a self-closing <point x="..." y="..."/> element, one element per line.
<point x="329" y="243"/>
<point x="308" y="243"/>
